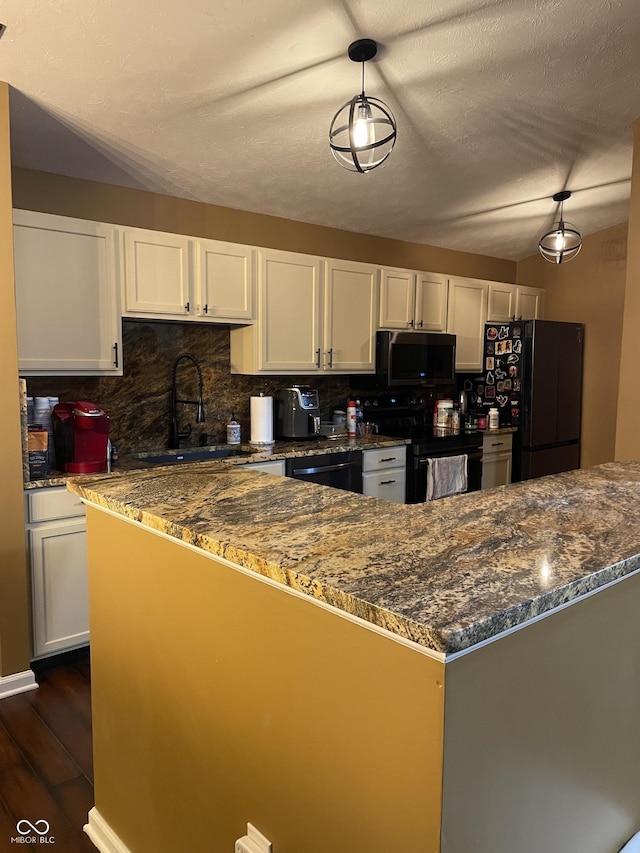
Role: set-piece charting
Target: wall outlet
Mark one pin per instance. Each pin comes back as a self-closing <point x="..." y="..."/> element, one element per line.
<point x="253" y="842"/>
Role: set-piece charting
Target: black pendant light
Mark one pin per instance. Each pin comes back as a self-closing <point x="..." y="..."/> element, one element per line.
<point x="363" y="131"/>
<point x="563" y="241"/>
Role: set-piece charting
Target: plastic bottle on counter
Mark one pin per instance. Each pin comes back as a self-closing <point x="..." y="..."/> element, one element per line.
<point x="494" y="419"/>
<point x="351" y="418"/>
<point x="359" y="418"/>
<point x="455" y="419"/>
<point x="233" y="430"/>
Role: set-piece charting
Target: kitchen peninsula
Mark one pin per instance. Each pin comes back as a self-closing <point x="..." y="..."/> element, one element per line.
<point x="347" y="674"/>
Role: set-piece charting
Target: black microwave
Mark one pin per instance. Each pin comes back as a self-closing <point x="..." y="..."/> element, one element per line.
<point x="415" y="358"/>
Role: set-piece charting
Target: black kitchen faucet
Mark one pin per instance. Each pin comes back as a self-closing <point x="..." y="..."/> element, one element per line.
<point x="175" y="435"/>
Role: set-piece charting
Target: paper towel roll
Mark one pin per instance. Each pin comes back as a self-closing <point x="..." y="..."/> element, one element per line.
<point x="262" y="420"/>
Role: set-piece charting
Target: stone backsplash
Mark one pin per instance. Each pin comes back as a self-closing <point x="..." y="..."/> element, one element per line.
<point x="138" y="401"/>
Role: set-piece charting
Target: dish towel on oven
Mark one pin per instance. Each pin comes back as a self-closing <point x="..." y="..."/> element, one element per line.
<point x="446" y="475"/>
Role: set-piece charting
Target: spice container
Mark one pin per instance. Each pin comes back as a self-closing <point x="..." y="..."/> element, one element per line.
<point x="494" y="419"/>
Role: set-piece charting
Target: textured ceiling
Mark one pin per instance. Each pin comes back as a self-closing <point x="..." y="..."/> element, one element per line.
<point x="499" y="104"/>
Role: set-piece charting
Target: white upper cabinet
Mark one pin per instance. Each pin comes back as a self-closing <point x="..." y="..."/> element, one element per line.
<point x="431" y="302"/>
<point x="350" y="311"/>
<point x="412" y="300"/>
<point x="514" y="302"/>
<point x="225" y="281"/>
<point x="287" y="335"/>
<point x="529" y="303"/>
<point x="68" y="316"/>
<point x="174" y="277"/>
<point x="467" y="316"/>
<point x="313" y="316"/>
<point x="501" y="306"/>
<point x="157" y="274"/>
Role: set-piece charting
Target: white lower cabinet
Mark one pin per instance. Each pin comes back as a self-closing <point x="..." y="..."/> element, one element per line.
<point x="384" y="473"/>
<point x="56" y="539"/>
<point x="273" y="466"/>
<point x="496" y="460"/>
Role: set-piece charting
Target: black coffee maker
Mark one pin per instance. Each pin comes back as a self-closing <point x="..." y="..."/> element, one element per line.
<point x="297" y="413"/>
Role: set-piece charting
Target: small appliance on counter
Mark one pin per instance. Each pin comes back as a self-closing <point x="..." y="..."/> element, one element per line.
<point x="298" y="413"/>
<point x="81" y="436"/>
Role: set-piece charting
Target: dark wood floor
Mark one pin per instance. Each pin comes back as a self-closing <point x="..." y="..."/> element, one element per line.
<point x="46" y="769"/>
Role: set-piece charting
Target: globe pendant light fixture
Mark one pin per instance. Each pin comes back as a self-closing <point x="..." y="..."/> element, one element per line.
<point x="363" y="131"/>
<point x="563" y="241"/>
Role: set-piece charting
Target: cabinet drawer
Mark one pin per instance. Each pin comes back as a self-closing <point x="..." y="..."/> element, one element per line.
<point x="389" y="485"/>
<point x="384" y="457"/>
<point x="496" y="443"/>
<point x="48" y="504"/>
<point x="272" y="467"/>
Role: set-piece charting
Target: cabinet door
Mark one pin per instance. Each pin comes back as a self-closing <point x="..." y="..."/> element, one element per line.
<point x="59" y="580"/>
<point x="496" y="470"/>
<point x="397" y="298"/>
<point x="350" y="311"/>
<point x="157" y="275"/>
<point x="289" y="311"/>
<point x="529" y="303"/>
<point x="225" y="282"/>
<point x="466" y="318"/>
<point x="501" y="306"/>
<point x="68" y="317"/>
<point x="431" y="302"/>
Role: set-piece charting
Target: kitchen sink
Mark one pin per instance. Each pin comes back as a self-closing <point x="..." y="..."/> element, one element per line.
<point x="196" y="454"/>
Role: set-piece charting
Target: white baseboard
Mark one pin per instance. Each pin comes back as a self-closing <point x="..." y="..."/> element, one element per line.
<point x="19" y="682"/>
<point x="102" y="836"/>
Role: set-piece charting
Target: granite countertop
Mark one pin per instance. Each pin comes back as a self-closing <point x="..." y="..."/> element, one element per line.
<point x="129" y="463"/>
<point x="447" y="574"/>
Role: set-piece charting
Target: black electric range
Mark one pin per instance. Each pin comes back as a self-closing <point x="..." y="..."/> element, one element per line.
<point x="411" y="416"/>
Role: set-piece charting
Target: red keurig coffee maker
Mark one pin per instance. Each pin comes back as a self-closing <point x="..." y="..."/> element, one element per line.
<point x="80" y="437"/>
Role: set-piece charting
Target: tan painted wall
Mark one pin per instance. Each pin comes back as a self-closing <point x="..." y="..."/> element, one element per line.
<point x="88" y="200"/>
<point x="218" y="699"/>
<point x="628" y="432"/>
<point x="590" y="290"/>
<point x="541" y="734"/>
<point x="14" y="620"/>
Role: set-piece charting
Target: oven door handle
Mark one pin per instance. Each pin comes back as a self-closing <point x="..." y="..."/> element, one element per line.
<point x="321" y="468"/>
<point x="473" y="456"/>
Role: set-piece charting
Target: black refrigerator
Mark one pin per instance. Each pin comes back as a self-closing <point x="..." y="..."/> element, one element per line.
<point x="533" y="376"/>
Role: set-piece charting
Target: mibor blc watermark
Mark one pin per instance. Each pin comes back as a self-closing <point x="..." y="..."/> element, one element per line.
<point x="33" y="833"/>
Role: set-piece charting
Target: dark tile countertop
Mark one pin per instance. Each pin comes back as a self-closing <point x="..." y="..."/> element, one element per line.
<point x="446" y="575"/>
